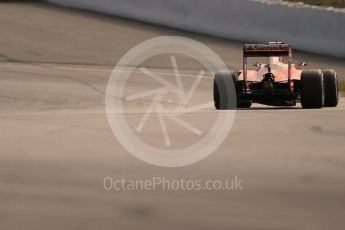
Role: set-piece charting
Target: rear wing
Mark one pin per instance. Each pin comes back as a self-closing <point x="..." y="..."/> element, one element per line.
<point x="266" y="50"/>
<point x="275" y="49"/>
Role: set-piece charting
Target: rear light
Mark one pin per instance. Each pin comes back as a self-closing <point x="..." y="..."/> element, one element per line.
<point x="248" y="86"/>
<point x="292" y="84"/>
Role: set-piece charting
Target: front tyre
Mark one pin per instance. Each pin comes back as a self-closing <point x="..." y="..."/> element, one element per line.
<point x="330" y="81"/>
<point x="224" y="92"/>
<point x="312" y="89"/>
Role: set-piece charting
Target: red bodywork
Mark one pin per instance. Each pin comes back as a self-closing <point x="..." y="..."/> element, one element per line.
<point x="283" y="72"/>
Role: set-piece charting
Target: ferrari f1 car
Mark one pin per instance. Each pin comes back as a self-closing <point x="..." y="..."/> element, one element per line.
<point x="277" y="82"/>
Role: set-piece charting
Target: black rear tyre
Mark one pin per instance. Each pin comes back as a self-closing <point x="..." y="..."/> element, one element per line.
<point x="330" y="81"/>
<point x="224" y="92"/>
<point x="312" y="89"/>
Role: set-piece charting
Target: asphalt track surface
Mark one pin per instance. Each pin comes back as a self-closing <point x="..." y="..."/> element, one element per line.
<point x="56" y="146"/>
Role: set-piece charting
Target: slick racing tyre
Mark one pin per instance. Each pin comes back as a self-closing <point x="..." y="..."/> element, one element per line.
<point x="312" y="89"/>
<point x="224" y="92"/>
<point x="330" y="82"/>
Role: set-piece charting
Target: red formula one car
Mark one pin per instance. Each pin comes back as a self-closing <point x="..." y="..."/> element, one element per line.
<point x="277" y="82"/>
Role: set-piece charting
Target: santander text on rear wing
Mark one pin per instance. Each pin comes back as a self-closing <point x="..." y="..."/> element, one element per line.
<point x="266" y="50"/>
